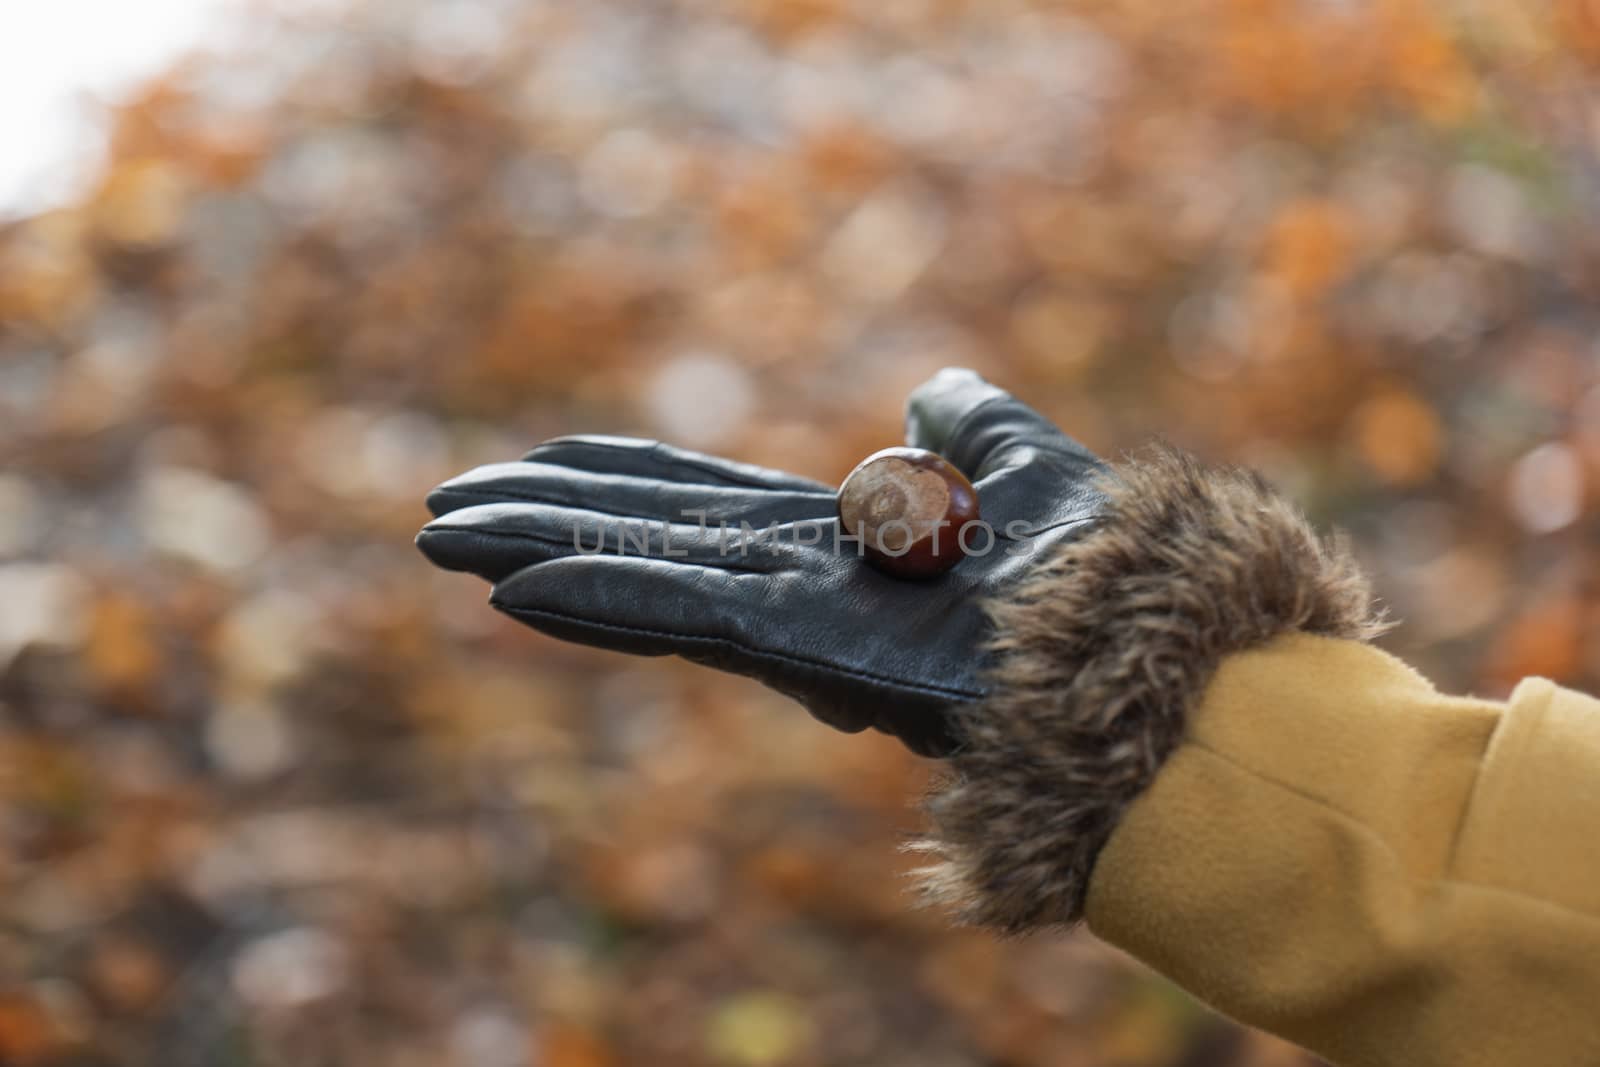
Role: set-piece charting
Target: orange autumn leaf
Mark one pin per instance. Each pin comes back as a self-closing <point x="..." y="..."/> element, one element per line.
<point x="566" y="1045"/>
<point x="122" y="651"/>
<point x="28" y="1036"/>
<point x="140" y="204"/>
<point x="1399" y="436"/>
<point x="1577" y="23"/>
<point x="1308" y="247"/>
<point x="1545" y="641"/>
<point x="128" y="973"/>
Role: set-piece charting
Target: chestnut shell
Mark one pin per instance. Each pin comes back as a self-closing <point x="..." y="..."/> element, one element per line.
<point x="908" y="506"/>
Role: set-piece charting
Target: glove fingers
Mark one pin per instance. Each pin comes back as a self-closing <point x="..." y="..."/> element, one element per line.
<point x="651" y="459"/>
<point x="627" y="495"/>
<point x="652" y="607"/>
<point x="980" y="427"/>
<point x="642" y="606"/>
<point x="497" y="540"/>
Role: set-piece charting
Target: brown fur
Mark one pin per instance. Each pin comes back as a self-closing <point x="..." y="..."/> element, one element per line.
<point x="1101" y="654"/>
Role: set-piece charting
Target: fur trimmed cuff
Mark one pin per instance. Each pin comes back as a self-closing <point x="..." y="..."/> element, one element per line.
<point x="1101" y="654"/>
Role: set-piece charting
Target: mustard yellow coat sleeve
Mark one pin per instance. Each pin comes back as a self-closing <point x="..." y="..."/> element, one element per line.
<point x="1391" y="877"/>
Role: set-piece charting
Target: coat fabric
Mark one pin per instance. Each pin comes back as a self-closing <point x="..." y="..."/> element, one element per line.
<point x="1341" y="855"/>
<point x="1189" y="744"/>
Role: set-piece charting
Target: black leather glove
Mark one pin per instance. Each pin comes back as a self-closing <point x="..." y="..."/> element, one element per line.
<point x="798" y="610"/>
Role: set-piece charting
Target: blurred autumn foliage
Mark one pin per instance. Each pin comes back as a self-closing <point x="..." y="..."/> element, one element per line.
<point x="273" y="791"/>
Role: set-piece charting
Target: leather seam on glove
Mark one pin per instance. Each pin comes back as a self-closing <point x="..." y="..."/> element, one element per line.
<point x="726" y="479"/>
<point x="1100" y="655"/>
<point x="723" y="478"/>
<point x="942" y="692"/>
<point x="503" y="494"/>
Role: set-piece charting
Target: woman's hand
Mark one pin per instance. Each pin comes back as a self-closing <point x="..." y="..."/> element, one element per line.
<point x="784" y="598"/>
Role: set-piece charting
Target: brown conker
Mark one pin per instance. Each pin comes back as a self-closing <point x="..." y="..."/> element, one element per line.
<point x="908" y="507"/>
